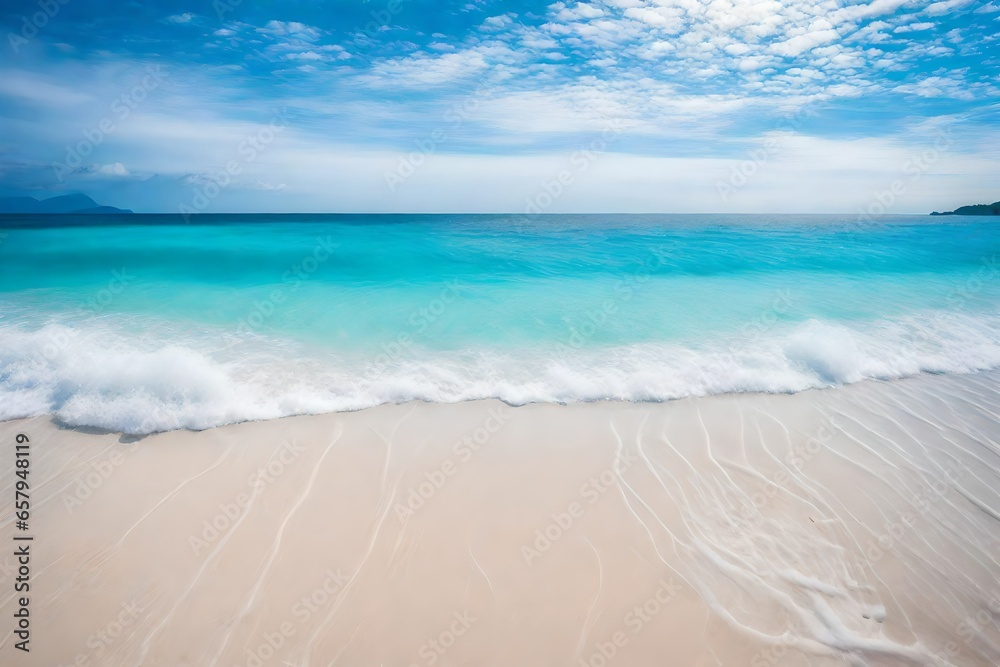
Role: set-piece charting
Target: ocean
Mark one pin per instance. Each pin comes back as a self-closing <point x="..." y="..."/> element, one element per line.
<point x="147" y="323"/>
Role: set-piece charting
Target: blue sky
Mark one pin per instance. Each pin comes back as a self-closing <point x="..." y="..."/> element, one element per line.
<point x="411" y="105"/>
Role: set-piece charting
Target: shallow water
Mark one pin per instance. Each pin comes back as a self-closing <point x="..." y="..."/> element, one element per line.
<point x="145" y="323"/>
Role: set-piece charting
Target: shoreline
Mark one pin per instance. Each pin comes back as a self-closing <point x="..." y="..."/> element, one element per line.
<point x="98" y="430"/>
<point x="858" y="523"/>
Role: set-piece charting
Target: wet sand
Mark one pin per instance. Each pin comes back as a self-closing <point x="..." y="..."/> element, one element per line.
<point x="853" y="526"/>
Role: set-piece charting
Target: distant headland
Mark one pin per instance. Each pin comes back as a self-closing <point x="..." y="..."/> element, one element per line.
<point x="73" y="203"/>
<point x="974" y="209"/>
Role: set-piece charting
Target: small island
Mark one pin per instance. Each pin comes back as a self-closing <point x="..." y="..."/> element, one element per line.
<point x="974" y="209"/>
<point x="75" y="203"/>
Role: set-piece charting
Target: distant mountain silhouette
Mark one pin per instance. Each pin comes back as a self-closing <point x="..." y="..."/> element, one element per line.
<point x="74" y="203"/>
<point x="974" y="209"/>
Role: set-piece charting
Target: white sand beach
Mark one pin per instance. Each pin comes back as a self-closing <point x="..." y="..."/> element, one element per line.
<point x="850" y="526"/>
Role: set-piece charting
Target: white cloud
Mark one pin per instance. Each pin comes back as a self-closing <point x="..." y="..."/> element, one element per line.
<point x="801" y="43"/>
<point x="578" y="11"/>
<point x="696" y="42"/>
<point x="29" y="87"/>
<point x="667" y="19"/>
<point x="938" y="86"/>
<point x="259" y="184"/>
<point x="115" y="169"/>
<point x="305" y="55"/>
<point x="939" y="8"/>
<point x="865" y="11"/>
<point x="294" y="29"/>
<point x="431" y="70"/>
<point x="796" y="179"/>
<point x="706" y="68"/>
<point x="499" y="22"/>
<point x="913" y="27"/>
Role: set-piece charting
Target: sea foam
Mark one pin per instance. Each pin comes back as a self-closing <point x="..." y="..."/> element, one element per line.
<point x="90" y="373"/>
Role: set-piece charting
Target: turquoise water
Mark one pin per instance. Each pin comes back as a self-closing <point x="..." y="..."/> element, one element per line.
<point x="158" y="324"/>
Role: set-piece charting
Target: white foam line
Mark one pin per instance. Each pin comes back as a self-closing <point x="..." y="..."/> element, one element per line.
<point x="44" y="501"/>
<point x="343" y="648"/>
<point x="622" y="485"/>
<point x="942" y="526"/>
<point x="943" y="429"/>
<point x="276" y="547"/>
<point x="979" y="437"/>
<point x="989" y="511"/>
<point x="711" y="457"/>
<point x="794" y="476"/>
<point x="144" y="648"/>
<point x="907" y="454"/>
<point x="739" y="574"/>
<point x="173" y="493"/>
<point x="848" y="533"/>
<point x="399" y="558"/>
<point x="927" y="478"/>
<point x="480" y="567"/>
<point x="706" y="594"/>
<point x="845" y="641"/>
<point x="385" y="499"/>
